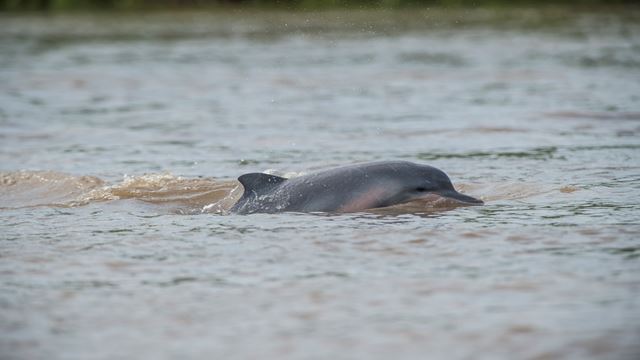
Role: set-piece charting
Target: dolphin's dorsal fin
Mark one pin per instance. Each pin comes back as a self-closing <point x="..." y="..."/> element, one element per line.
<point x="259" y="183"/>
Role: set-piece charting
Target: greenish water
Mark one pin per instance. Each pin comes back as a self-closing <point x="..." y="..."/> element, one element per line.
<point x="121" y="137"/>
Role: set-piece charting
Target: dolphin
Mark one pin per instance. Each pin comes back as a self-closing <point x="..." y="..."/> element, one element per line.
<point x="349" y="188"/>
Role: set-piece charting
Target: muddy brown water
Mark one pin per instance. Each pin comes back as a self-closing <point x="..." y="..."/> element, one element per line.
<point x="121" y="137"/>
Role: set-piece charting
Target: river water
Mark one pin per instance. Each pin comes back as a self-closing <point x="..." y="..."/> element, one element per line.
<point x="121" y="137"/>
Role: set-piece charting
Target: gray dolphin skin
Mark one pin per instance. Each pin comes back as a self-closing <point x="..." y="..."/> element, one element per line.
<point x="346" y="189"/>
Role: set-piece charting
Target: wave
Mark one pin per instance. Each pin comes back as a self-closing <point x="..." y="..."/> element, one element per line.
<point x="55" y="189"/>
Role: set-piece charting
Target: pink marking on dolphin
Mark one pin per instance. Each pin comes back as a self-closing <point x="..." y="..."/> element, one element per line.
<point x="366" y="200"/>
<point x="349" y="188"/>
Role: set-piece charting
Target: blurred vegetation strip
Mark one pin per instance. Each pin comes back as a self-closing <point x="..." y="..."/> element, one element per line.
<point x="26" y="5"/>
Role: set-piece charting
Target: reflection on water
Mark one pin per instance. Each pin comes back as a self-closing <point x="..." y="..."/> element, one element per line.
<point x="105" y="254"/>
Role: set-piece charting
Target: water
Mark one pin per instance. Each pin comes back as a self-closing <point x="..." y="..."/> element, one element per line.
<point x="121" y="137"/>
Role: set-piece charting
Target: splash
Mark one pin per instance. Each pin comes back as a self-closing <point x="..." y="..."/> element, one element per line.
<point x="46" y="188"/>
<point x="49" y="188"/>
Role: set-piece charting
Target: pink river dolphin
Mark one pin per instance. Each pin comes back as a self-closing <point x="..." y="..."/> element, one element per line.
<point x="349" y="188"/>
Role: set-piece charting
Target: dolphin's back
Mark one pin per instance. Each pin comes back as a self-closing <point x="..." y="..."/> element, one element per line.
<point x="326" y="191"/>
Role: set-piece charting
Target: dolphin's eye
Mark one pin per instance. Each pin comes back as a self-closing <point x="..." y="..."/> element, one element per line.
<point x="421" y="189"/>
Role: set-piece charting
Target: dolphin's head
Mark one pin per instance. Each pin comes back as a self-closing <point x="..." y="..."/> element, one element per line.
<point x="409" y="181"/>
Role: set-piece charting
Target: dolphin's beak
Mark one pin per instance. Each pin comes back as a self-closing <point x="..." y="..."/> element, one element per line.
<point x="452" y="194"/>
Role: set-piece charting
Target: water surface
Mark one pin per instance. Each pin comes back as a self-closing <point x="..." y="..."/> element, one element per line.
<point x="121" y="137"/>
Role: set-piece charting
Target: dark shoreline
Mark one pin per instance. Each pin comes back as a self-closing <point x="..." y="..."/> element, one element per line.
<point x="295" y="5"/>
